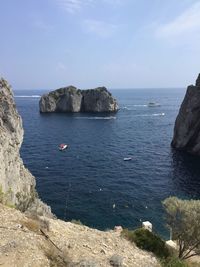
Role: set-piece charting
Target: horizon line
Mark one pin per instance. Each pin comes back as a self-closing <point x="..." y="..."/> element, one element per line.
<point x="109" y="88"/>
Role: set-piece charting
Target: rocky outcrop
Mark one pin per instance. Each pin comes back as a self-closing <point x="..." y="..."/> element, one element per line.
<point x="17" y="185"/>
<point x="187" y="126"/>
<point x="64" y="244"/>
<point x="71" y="99"/>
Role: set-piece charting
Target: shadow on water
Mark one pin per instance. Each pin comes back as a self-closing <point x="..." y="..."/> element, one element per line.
<point x="79" y="114"/>
<point x="186" y="174"/>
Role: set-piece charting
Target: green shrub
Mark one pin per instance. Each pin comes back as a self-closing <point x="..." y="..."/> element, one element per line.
<point x="128" y="234"/>
<point x="183" y="217"/>
<point x="147" y="240"/>
<point x="173" y="262"/>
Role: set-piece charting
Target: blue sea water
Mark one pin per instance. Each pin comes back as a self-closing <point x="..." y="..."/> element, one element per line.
<point x="90" y="178"/>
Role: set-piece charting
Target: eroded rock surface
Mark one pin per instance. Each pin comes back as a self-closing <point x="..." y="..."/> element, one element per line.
<point x="71" y="99"/>
<point x="17" y="184"/>
<point x="23" y="244"/>
<point x="187" y="126"/>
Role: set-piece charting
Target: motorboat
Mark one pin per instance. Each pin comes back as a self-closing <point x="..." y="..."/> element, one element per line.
<point x="127" y="159"/>
<point x="153" y="104"/>
<point x="63" y="147"/>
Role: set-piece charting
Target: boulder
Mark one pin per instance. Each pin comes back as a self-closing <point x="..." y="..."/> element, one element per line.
<point x="71" y="99"/>
<point x="187" y="125"/>
<point x="116" y="261"/>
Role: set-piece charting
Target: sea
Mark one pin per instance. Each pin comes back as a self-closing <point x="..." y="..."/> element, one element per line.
<point x="90" y="181"/>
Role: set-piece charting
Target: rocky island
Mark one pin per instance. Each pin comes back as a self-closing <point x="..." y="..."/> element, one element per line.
<point x="187" y="126"/>
<point x="71" y="99"/>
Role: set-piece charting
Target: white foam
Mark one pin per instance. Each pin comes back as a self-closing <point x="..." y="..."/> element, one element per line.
<point x="150" y="115"/>
<point x="96" y="118"/>
<point x="159" y="114"/>
<point x="28" y="96"/>
<point x="140" y="105"/>
<point x="132" y="107"/>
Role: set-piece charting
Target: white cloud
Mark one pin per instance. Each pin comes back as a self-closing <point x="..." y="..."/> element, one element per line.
<point x="185" y="24"/>
<point x="99" y="28"/>
<point x="72" y="6"/>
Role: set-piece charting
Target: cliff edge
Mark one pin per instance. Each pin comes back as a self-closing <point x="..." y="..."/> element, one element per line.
<point x="47" y="242"/>
<point x="71" y="99"/>
<point x="17" y="184"/>
<point x="187" y="125"/>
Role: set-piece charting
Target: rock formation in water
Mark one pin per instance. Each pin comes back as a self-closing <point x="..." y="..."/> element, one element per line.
<point x="71" y="99"/>
<point x="187" y="125"/>
<point x="17" y="185"/>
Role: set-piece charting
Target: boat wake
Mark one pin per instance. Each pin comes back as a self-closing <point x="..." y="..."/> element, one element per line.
<point x="27" y="96"/>
<point x="159" y="114"/>
<point x="131" y="107"/>
<point x="96" y="118"/>
<point x="150" y="115"/>
<point x="139" y="105"/>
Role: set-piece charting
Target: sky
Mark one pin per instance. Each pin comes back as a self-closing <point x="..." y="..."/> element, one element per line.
<point x="89" y="43"/>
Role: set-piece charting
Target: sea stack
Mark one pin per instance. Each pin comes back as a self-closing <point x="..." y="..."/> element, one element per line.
<point x="71" y="99"/>
<point x="187" y="126"/>
<point x="17" y="184"/>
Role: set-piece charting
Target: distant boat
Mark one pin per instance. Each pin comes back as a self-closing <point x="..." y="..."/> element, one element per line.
<point x="63" y="147"/>
<point x="153" y="104"/>
<point x="127" y="159"/>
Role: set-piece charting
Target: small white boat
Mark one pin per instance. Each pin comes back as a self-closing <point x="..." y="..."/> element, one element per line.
<point x="127" y="159"/>
<point x="63" y="147"/>
<point x="153" y="104"/>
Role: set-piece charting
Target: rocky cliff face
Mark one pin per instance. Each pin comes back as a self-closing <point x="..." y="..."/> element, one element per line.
<point x="71" y="99"/>
<point x="187" y="125"/>
<point x="17" y="185"/>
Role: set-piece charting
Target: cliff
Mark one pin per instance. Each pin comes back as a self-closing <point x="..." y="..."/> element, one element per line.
<point x="17" y="185"/>
<point x="187" y="125"/>
<point x="71" y="99"/>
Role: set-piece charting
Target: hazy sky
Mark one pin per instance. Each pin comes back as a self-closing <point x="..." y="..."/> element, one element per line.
<point x="88" y="43"/>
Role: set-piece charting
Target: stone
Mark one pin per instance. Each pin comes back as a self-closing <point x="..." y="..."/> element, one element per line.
<point x="116" y="260"/>
<point x="187" y="125"/>
<point x="147" y="225"/>
<point x="171" y="244"/>
<point x="17" y="184"/>
<point x="118" y="228"/>
<point x="71" y="99"/>
<point x="86" y="263"/>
